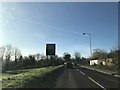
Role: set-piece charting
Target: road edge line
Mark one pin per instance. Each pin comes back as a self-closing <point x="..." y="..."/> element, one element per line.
<point x="95" y="70"/>
<point x="96" y="83"/>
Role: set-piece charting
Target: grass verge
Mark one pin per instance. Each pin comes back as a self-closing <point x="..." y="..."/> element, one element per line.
<point x="20" y="79"/>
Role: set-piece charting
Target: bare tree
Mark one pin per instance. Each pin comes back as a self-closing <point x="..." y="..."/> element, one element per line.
<point x="43" y="57"/>
<point x="99" y="54"/>
<point x="20" y="62"/>
<point x="37" y="56"/>
<point x="9" y="51"/>
<point x="2" y="53"/>
<point x="77" y="55"/>
<point x="67" y="57"/>
<point x="16" y="54"/>
<point x="8" y="54"/>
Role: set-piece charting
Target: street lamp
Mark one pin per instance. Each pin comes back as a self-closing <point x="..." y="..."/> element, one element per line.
<point x="90" y="41"/>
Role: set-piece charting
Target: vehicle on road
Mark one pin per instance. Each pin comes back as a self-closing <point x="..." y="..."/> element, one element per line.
<point x="75" y="65"/>
<point x="68" y="65"/>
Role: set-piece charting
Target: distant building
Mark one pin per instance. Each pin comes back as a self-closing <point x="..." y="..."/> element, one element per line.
<point x="108" y="61"/>
<point x="94" y="62"/>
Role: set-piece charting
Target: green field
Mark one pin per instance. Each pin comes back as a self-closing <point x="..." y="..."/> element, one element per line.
<point x="18" y="78"/>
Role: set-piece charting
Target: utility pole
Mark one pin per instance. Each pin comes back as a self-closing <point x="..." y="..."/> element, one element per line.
<point x="90" y="41"/>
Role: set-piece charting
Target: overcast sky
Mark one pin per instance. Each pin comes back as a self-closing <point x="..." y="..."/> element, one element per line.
<point x="29" y="26"/>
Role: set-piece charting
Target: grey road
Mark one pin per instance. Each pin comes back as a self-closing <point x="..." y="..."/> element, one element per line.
<point x="85" y="78"/>
<point x="75" y="78"/>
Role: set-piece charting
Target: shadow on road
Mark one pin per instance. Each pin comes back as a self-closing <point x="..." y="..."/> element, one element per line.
<point x="47" y="81"/>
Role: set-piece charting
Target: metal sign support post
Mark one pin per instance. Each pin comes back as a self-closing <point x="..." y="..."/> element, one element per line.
<point x="50" y="50"/>
<point x="52" y="60"/>
<point x="47" y="60"/>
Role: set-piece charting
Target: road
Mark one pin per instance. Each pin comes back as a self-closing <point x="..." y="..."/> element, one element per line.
<point x="77" y="78"/>
<point x="85" y="78"/>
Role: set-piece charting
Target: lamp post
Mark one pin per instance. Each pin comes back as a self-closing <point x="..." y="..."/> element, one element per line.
<point x="90" y="41"/>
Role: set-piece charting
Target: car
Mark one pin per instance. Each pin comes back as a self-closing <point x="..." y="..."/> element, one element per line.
<point x="75" y="65"/>
<point x="69" y="65"/>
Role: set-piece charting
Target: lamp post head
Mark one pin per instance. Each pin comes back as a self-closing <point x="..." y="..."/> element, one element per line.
<point x="83" y="33"/>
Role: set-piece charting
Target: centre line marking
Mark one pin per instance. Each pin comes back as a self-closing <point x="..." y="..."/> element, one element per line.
<point x="81" y="72"/>
<point x="97" y="83"/>
<point x="69" y="74"/>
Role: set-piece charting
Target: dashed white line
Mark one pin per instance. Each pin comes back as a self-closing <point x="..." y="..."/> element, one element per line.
<point x="69" y="74"/>
<point x="69" y="77"/>
<point x="81" y="72"/>
<point x="97" y="83"/>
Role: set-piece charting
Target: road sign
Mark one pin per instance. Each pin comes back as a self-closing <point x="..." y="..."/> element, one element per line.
<point x="50" y="49"/>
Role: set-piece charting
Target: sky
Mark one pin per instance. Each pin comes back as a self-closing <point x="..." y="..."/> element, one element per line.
<point x="30" y="26"/>
<point x="60" y="1"/>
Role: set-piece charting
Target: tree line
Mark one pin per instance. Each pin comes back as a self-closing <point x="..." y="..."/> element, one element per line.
<point x="12" y="59"/>
<point x="100" y="54"/>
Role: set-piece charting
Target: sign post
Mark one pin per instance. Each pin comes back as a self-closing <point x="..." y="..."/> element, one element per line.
<point x="50" y="50"/>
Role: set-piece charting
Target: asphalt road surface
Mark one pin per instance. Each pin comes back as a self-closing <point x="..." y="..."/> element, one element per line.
<point x="85" y="78"/>
<point x="77" y="78"/>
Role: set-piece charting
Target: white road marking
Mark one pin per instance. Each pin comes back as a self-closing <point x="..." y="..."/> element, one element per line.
<point x="69" y="74"/>
<point x="69" y="77"/>
<point x="81" y="72"/>
<point x="97" y="83"/>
